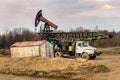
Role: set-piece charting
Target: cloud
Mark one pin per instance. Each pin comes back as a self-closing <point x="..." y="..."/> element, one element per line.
<point x="106" y="6"/>
<point x="103" y="0"/>
<point x="75" y="9"/>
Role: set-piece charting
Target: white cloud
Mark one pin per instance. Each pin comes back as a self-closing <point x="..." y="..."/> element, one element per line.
<point x="106" y="6"/>
<point x="103" y="0"/>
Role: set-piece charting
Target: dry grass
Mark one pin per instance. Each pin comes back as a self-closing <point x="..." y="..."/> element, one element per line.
<point x="50" y="68"/>
<point x="111" y="50"/>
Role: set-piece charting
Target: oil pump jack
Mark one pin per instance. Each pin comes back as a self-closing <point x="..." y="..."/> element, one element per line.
<point x="47" y="24"/>
<point x="69" y="42"/>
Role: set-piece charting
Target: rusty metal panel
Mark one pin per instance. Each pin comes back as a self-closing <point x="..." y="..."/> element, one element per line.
<point x="43" y="50"/>
<point x="46" y="50"/>
<point x="28" y="43"/>
<point x="49" y="49"/>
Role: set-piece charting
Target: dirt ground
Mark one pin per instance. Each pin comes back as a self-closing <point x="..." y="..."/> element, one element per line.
<point x="60" y="68"/>
<point x="111" y="61"/>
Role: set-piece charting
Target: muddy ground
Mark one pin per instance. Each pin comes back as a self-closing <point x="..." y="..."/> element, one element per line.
<point x="61" y="68"/>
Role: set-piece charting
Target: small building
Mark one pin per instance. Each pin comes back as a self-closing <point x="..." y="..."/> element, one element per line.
<point x="32" y="48"/>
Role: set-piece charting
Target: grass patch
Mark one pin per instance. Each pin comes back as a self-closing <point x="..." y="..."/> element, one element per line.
<point x="111" y="50"/>
<point x="4" y="52"/>
<point x="99" y="68"/>
<point x="114" y="48"/>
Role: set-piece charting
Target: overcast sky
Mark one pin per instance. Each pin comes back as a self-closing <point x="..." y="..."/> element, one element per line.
<point x="64" y="13"/>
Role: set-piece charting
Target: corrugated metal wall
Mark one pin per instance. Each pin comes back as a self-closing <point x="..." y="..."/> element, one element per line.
<point x="25" y="51"/>
<point x="43" y="50"/>
<point x="49" y="49"/>
<point x="46" y="50"/>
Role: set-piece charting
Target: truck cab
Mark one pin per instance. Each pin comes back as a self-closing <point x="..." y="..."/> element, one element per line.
<point x="83" y="49"/>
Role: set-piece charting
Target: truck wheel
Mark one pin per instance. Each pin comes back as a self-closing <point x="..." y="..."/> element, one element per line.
<point x="58" y="54"/>
<point x="85" y="56"/>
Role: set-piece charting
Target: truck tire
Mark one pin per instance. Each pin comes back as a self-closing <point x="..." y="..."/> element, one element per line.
<point x="85" y="56"/>
<point x="58" y="54"/>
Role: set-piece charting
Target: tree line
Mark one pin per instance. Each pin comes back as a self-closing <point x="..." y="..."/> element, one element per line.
<point x="23" y="34"/>
<point x="17" y="35"/>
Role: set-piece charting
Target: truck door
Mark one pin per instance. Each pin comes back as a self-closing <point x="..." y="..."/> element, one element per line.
<point x="79" y="48"/>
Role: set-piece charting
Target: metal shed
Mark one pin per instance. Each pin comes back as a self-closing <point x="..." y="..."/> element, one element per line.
<point x="32" y="48"/>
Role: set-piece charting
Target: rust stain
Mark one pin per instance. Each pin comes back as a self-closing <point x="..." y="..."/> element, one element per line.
<point x="28" y="43"/>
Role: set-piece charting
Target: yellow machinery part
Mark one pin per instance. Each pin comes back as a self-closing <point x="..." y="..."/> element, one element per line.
<point x="70" y="48"/>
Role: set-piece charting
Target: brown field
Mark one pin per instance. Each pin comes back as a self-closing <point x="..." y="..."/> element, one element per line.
<point x="104" y="67"/>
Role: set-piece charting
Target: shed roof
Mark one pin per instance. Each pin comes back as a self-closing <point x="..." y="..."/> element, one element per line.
<point x="28" y="43"/>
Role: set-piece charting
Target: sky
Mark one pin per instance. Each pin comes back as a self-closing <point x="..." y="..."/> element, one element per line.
<point x="67" y="14"/>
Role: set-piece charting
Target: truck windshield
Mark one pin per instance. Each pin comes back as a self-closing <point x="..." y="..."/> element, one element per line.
<point x="85" y="44"/>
